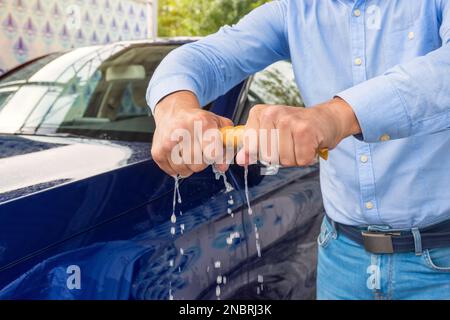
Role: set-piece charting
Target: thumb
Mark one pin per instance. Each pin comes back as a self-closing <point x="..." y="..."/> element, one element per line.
<point x="225" y="122"/>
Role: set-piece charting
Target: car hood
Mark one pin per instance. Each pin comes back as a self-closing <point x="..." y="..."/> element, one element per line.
<point x="32" y="163"/>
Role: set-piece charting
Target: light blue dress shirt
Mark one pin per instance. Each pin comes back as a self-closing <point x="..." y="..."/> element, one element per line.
<point x="389" y="59"/>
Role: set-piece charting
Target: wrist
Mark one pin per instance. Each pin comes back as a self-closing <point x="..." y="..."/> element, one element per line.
<point x="177" y="101"/>
<point x="345" y="116"/>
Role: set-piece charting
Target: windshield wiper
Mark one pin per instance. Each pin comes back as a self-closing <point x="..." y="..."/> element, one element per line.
<point x="58" y="135"/>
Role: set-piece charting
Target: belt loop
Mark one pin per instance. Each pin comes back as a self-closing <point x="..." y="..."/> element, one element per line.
<point x="417" y="241"/>
<point x="333" y="226"/>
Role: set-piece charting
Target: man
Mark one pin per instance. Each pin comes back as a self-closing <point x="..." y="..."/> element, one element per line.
<point x="375" y="75"/>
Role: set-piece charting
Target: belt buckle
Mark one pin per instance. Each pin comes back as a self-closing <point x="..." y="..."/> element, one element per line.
<point x="377" y="242"/>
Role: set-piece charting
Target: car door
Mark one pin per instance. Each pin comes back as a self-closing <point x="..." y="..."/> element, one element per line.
<point x="108" y="235"/>
<point x="287" y="206"/>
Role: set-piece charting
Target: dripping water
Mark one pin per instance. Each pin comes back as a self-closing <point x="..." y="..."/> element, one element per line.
<point x="228" y="188"/>
<point x="260" y="286"/>
<point x="247" y="196"/>
<point x="173" y="220"/>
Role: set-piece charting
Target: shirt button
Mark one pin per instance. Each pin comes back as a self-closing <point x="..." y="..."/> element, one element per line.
<point x="358" y="61"/>
<point x="385" y="137"/>
<point x="411" y="35"/>
<point x="369" y="205"/>
<point x="357" y="13"/>
<point x="364" y="158"/>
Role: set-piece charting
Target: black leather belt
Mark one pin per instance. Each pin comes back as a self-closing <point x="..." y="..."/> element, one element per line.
<point x="382" y="242"/>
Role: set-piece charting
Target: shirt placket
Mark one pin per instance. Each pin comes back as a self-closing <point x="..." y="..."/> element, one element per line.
<point x="369" y="205"/>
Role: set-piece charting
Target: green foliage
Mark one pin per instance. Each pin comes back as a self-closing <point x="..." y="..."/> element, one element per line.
<point x="200" y="17"/>
<point x="276" y="85"/>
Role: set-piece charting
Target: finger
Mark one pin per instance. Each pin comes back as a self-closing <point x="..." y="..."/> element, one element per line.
<point x="268" y="145"/>
<point x="164" y="165"/>
<point x="212" y="147"/>
<point x="249" y="152"/>
<point x="287" y="148"/>
<point x="222" y="167"/>
<point x="227" y="153"/>
<point x="196" y="162"/>
<point x="159" y="156"/>
<point x="179" y="167"/>
<point x="224" y="122"/>
<point x="305" y="154"/>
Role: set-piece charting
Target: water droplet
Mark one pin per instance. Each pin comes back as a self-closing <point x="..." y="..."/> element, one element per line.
<point x="230" y="202"/>
<point x="173" y="218"/>
<point x="247" y="193"/>
<point x="229" y="241"/>
<point x="217" y="264"/>
<point x="171" y="263"/>
<point x="218" y="291"/>
<point x="258" y="291"/>
<point x="258" y="249"/>
<point x="229" y="211"/>
<point x="260" y="278"/>
<point x="173" y="231"/>
<point x="181" y="251"/>
<point x="218" y="174"/>
<point x="175" y="193"/>
<point x="224" y="280"/>
<point x="178" y="192"/>
<point x="219" y="279"/>
<point x="182" y="227"/>
<point x="170" y="291"/>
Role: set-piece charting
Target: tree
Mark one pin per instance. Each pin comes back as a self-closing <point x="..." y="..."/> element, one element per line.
<point x="201" y="17"/>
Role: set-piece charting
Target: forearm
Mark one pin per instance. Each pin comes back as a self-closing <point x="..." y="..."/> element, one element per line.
<point x="215" y="64"/>
<point x="409" y="100"/>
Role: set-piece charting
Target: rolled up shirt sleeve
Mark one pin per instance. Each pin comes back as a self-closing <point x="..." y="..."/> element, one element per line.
<point x="410" y="99"/>
<point x="212" y="66"/>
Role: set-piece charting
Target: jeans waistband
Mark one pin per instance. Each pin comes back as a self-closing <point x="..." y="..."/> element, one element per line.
<point x="393" y="241"/>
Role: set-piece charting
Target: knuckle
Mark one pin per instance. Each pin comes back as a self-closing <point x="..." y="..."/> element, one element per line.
<point x="265" y="117"/>
<point x="284" y="122"/>
<point x="156" y="157"/>
<point x="302" y="163"/>
<point x="197" y="168"/>
<point x="287" y="162"/>
<point x="302" y="129"/>
<point x="157" y="154"/>
<point x="177" y="124"/>
<point x="204" y="118"/>
<point x="166" y="147"/>
<point x="306" y="160"/>
<point x="257" y="109"/>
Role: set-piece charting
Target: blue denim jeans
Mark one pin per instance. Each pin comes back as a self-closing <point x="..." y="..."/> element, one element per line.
<point x="347" y="271"/>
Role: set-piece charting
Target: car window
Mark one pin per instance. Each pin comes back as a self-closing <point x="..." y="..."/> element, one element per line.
<point x="4" y="97"/>
<point x="97" y="93"/>
<point x="274" y="85"/>
<point x="26" y="70"/>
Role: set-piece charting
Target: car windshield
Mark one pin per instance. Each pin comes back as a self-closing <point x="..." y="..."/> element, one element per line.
<point x="96" y="92"/>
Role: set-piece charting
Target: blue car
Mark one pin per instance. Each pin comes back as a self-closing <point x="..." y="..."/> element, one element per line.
<point x="86" y="214"/>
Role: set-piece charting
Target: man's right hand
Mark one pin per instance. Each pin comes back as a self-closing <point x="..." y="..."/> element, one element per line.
<point x="180" y="111"/>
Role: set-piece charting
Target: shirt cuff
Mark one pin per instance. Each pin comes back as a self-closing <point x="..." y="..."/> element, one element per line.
<point x="157" y="91"/>
<point x="379" y="109"/>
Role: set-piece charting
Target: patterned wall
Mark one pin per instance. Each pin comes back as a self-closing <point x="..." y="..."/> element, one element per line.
<point x="30" y="28"/>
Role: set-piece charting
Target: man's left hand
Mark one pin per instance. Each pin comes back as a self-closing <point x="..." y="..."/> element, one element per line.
<point x="302" y="132"/>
